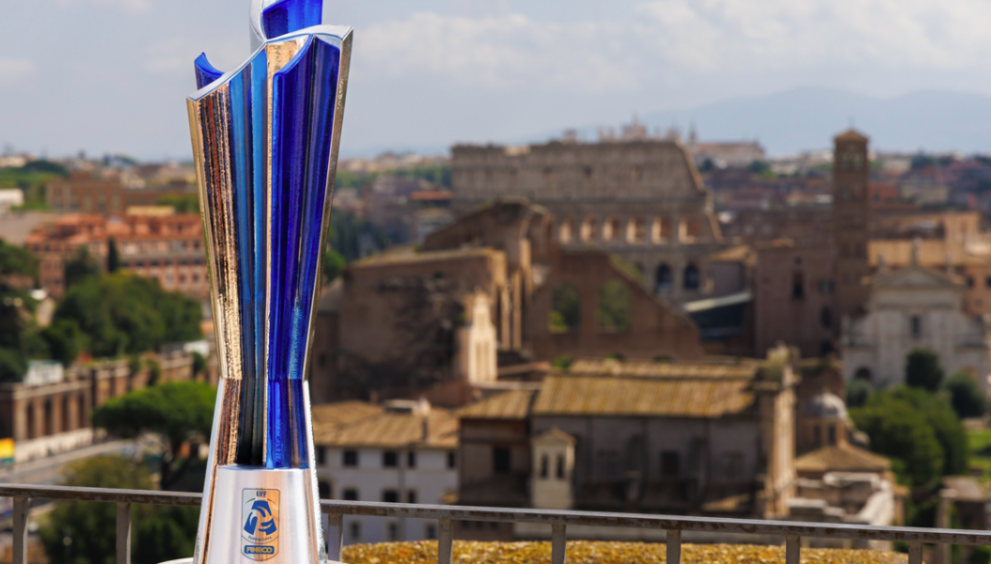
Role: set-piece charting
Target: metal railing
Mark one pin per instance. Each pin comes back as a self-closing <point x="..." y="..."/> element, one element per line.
<point x="559" y="521"/>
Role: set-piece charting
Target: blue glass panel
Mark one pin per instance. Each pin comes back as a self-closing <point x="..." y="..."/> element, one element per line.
<point x="288" y="16"/>
<point x="205" y="72"/>
<point x="259" y="147"/>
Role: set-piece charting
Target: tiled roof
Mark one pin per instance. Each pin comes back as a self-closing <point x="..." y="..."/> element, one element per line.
<point x="509" y="405"/>
<point x="745" y="369"/>
<point x="851" y="134"/>
<point x="395" y="430"/>
<point x="841" y="458"/>
<point x="331" y="417"/>
<point x="606" y="395"/>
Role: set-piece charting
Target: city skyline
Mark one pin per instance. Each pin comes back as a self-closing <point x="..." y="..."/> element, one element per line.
<point x="473" y="71"/>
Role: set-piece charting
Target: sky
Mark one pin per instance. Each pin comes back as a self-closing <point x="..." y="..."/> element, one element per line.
<point x="111" y="76"/>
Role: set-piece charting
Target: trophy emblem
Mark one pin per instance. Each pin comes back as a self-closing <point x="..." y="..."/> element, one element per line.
<point x="265" y="142"/>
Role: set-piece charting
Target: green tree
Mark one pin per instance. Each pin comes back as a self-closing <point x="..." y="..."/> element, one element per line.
<point x="183" y="203"/>
<point x="858" y="391"/>
<point x="81" y="267"/>
<point x="65" y="340"/>
<point x="199" y="364"/>
<point x="113" y="256"/>
<point x="334" y="264"/>
<point x="123" y="313"/>
<point x="614" y="307"/>
<point x="18" y="334"/>
<point x="922" y="370"/>
<point x="566" y="312"/>
<point x="965" y="396"/>
<point x="175" y="411"/>
<point x="160" y="533"/>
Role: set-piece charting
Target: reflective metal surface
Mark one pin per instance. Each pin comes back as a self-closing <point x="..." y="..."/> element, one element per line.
<point x="265" y="140"/>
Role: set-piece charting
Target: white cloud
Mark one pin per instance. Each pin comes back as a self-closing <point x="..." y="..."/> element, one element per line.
<point x="496" y="51"/>
<point x="132" y="6"/>
<point x="13" y="69"/>
<point x="789" y="34"/>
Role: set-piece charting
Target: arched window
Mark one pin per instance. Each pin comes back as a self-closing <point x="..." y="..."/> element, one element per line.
<point x="657" y="234"/>
<point x="611" y="229"/>
<point x="566" y="309"/>
<point x="636" y="231"/>
<point x="662" y="280"/>
<point x="31" y="430"/>
<point x="826" y="317"/>
<point x="691" y="278"/>
<point x="798" y="286"/>
<point x="49" y="418"/>
<point x="588" y="229"/>
<point x="614" y="307"/>
<point x="863" y="373"/>
<point x="567" y="231"/>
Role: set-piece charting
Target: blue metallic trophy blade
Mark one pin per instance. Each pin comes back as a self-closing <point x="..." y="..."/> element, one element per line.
<point x="265" y="141"/>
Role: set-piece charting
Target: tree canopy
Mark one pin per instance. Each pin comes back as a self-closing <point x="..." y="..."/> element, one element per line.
<point x="922" y="370"/>
<point x="160" y="533"/>
<point x="122" y="313"/>
<point x="965" y="395"/>
<point x="918" y="431"/>
<point x="83" y="266"/>
<point x="18" y="335"/>
<point x="175" y="411"/>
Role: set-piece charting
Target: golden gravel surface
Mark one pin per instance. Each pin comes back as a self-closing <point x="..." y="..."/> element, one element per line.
<point x="582" y="552"/>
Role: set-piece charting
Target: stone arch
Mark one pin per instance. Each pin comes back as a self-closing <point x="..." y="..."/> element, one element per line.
<point x="691" y="278"/>
<point x="31" y="431"/>
<point x="589" y="229"/>
<point x="663" y="278"/>
<point x="566" y="309"/>
<point x="567" y="231"/>
<point x="611" y="229"/>
<point x="636" y="231"/>
<point x="864" y="373"/>
<point x="614" y="307"/>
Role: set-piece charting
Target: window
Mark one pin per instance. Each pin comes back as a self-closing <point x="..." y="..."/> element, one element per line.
<point x="411" y="496"/>
<point x="970" y="281"/>
<point x="915" y="326"/>
<point x="588" y="229"/>
<point x="733" y="465"/>
<point x="545" y="464"/>
<point x="500" y="460"/>
<point x="987" y="282"/>
<point x="390" y="496"/>
<point x="430" y="531"/>
<point x="355" y="531"/>
<point x="670" y="464"/>
<point x="325" y="491"/>
<point x="610" y="229"/>
<point x="390" y="459"/>
<point x="411" y="459"/>
<point x="566" y="309"/>
<point x="350" y="458"/>
<point x="663" y="279"/>
<point x="452" y="460"/>
<point x="832" y="434"/>
<point x="614" y="307"/>
<point x="826" y="318"/>
<point x="321" y="455"/>
<point x="798" y="286"/>
<point x="816" y="435"/>
<point x="350" y="494"/>
<point x="560" y="467"/>
<point x="690" y="277"/>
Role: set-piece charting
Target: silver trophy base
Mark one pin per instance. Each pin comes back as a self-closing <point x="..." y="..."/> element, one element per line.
<point x="266" y="516"/>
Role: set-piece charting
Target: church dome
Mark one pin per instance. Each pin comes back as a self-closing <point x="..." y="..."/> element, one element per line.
<point x="826" y="406"/>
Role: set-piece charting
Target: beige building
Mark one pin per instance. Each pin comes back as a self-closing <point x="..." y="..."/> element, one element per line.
<point x="912" y="308"/>
<point x="639" y="198"/>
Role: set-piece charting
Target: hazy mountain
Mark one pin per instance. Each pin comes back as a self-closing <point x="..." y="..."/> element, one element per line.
<point x="807" y="118"/>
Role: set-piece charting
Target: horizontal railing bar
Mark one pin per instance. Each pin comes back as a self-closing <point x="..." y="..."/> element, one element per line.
<point x="509" y="515"/>
<point x="107" y="495"/>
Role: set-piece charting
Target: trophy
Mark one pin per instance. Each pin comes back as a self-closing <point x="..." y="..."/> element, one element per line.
<point x="265" y="141"/>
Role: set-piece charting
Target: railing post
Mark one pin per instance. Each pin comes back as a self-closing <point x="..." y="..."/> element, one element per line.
<point x="793" y="549"/>
<point x="915" y="553"/>
<point x="335" y="536"/>
<point x="123" y="533"/>
<point x="559" y="544"/>
<point x="673" y="544"/>
<point x="21" y="530"/>
<point x="445" y="541"/>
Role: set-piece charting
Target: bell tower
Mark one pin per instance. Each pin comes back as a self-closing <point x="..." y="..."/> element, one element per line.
<point x="851" y="221"/>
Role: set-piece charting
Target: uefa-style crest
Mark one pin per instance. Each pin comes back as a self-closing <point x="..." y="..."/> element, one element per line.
<point x="265" y="141"/>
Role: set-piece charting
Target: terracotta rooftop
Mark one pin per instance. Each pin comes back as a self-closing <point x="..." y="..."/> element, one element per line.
<point x="841" y="458"/>
<point x="390" y="430"/>
<point x="330" y="418"/>
<point x="661" y="397"/>
<point x="509" y="405"/>
<point x="851" y="135"/>
<point x="742" y="370"/>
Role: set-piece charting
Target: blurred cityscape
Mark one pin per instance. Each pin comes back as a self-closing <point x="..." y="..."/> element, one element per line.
<point x="645" y="322"/>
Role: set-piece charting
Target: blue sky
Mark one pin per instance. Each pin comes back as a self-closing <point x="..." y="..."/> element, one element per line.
<point x="112" y="75"/>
